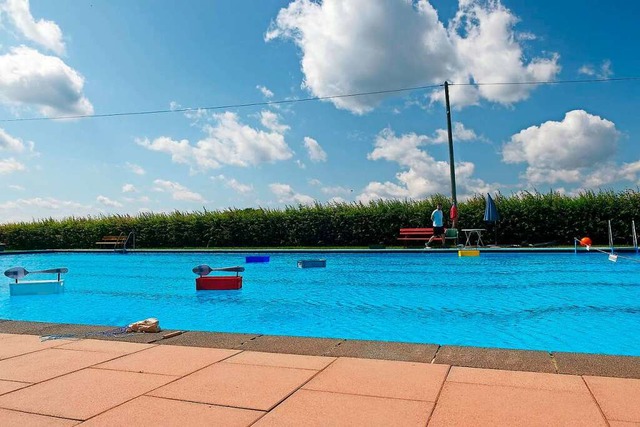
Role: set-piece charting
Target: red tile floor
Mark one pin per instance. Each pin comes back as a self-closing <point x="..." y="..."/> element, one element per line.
<point x="110" y="383"/>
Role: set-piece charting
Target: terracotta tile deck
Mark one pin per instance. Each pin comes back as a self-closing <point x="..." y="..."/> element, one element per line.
<point x="106" y="383"/>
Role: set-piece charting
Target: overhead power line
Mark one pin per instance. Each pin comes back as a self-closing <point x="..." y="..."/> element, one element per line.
<point x="548" y="82"/>
<point x="314" y="98"/>
<point x="222" y="107"/>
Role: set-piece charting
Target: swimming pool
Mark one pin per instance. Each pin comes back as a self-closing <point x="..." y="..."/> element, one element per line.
<point x="556" y="302"/>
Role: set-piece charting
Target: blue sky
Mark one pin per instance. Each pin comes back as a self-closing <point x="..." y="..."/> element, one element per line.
<point x="69" y="58"/>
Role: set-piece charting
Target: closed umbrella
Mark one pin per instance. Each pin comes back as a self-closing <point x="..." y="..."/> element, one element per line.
<point x="491" y="215"/>
<point x="453" y="216"/>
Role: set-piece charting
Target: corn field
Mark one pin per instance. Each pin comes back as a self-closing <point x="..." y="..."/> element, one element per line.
<point x="525" y="218"/>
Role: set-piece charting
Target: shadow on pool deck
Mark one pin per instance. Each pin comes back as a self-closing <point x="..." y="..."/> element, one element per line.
<point x="473" y="357"/>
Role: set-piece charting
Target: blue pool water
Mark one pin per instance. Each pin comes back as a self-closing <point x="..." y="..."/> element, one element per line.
<point x="556" y="302"/>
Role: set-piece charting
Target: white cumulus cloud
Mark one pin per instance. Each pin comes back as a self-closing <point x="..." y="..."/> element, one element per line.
<point x="228" y="142"/>
<point x="385" y="191"/>
<point x="129" y="188"/>
<point x="603" y="175"/>
<point x="43" y="207"/>
<point x="629" y="171"/>
<point x="177" y="191"/>
<point x="421" y="175"/>
<point x="265" y="92"/>
<point x="180" y="151"/>
<point x="104" y="200"/>
<point x="579" y="150"/>
<point x="45" y="33"/>
<point x="138" y="170"/>
<point x="371" y="45"/>
<point x="315" y="151"/>
<point x="337" y="201"/>
<point x="30" y="79"/>
<point x="563" y="150"/>
<point x="336" y="190"/>
<point x="234" y="184"/>
<point x="610" y="172"/>
<point x="603" y="72"/>
<point x="286" y="194"/>
<point x="10" y="143"/>
<point x="271" y="121"/>
<point x="46" y="202"/>
<point x="459" y="133"/>
<point x="10" y="165"/>
<point x="484" y="38"/>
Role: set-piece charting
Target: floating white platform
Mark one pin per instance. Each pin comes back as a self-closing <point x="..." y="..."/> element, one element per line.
<point x="36" y="287"/>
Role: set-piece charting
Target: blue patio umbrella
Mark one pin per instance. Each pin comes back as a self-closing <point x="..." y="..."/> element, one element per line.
<point x="490" y="211"/>
<point x="491" y="214"/>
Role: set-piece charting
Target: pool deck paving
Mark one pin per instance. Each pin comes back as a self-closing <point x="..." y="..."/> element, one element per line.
<point x="199" y="378"/>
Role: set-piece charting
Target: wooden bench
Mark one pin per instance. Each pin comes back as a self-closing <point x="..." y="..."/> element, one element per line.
<point x="113" y="240"/>
<point x="424" y="234"/>
<point x="417" y="234"/>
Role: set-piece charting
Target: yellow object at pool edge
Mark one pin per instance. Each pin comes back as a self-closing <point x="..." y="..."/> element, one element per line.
<point x="469" y="252"/>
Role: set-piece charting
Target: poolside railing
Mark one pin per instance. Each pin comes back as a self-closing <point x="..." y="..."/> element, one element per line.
<point x="610" y="237"/>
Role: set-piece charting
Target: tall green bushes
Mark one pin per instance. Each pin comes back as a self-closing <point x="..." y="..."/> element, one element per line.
<point x="525" y="218"/>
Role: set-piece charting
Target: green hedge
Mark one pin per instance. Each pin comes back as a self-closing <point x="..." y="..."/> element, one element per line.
<point x="525" y="218"/>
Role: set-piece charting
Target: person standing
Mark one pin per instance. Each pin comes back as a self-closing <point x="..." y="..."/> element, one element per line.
<point x="438" y="224"/>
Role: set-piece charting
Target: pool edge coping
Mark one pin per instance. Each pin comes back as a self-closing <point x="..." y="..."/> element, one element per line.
<point x="461" y="356"/>
<point x="486" y="249"/>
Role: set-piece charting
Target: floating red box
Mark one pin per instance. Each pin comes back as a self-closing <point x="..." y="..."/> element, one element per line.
<point x="218" y="283"/>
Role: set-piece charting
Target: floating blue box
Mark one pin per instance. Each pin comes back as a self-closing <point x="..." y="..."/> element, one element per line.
<point x="312" y="263"/>
<point x="257" y="259"/>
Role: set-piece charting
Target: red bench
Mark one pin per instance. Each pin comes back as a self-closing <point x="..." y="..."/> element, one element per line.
<point x="417" y="234"/>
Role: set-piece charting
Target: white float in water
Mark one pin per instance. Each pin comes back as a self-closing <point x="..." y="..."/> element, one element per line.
<point x="35" y="287"/>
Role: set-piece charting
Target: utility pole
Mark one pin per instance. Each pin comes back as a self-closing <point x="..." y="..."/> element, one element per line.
<point x="452" y="167"/>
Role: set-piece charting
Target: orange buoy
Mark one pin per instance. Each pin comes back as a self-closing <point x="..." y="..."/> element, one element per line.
<point x="585" y="241"/>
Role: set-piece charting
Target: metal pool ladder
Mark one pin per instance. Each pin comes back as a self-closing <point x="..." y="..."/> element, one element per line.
<point x="131" y="236"/>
